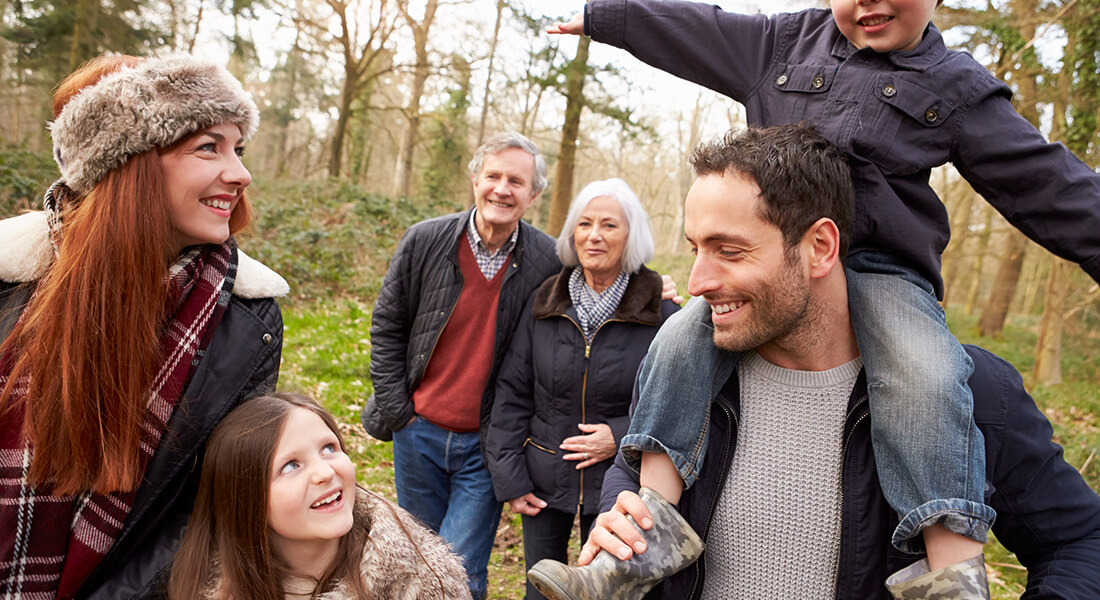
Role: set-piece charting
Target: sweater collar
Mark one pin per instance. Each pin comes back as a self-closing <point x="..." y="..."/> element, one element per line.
<point x="641" y="302"/>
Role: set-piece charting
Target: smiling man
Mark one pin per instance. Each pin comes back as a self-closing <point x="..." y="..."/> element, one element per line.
<point x="445" y="315"/>
<point x="788" y="501"/>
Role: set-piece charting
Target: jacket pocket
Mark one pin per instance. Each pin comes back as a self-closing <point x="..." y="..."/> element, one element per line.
<point x="802" y="90"/>
<point x="901" y="126"/>
<point x="532" y="442"/>
<point x="543" y="463"/>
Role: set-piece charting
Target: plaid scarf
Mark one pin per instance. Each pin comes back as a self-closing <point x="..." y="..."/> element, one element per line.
<point x="595" y="308"/>
<point x="50" y="544"/>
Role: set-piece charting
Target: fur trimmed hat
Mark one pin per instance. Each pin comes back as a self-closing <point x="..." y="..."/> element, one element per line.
<point x="136" y="109"/>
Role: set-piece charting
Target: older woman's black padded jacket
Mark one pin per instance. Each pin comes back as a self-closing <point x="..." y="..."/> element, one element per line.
<point x="552" y="380"/>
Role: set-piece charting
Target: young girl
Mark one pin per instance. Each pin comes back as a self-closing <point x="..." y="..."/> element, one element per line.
<point x="278" y="515"/>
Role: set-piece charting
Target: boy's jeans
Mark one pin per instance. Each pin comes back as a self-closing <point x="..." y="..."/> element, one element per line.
<point x="929" y="453"/>
<point x="442" y="480"/>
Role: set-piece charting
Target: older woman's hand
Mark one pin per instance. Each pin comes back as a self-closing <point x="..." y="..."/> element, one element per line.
<point x="597" y="444"/>
<point x="527" y="504"/>
<point x="668" y="290"/>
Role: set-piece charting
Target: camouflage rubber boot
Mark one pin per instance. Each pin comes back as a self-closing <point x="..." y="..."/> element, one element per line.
<point x="960" y="581"/>
<point x="671" y="545"/>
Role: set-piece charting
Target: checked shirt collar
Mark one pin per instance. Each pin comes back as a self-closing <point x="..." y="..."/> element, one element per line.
<point x="489" y="262"/>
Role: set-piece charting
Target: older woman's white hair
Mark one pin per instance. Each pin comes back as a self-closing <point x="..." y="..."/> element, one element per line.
<point x="639" y="239"/>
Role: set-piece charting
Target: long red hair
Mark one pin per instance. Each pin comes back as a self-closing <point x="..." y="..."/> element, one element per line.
<point x="89" y="341"/>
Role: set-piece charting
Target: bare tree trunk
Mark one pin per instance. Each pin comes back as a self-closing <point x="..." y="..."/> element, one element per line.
<point x="993" y="317"/>
<point x="685" y="176"/>
<point x="364" y="164"/>
<point x="963" y="198"/>
<point x="292" y="90"/>
<point x="173" y="24"/>
<point x="489" y="75"/>
<point x="335" y="157"/>
<point x="979" y="256"/>
<point x="403" y="177"/>
<point x="362" y="63"/>
<point x="1048" y="349"/>
<point x="195" y="35"/>
<point x="1008" y="275"/>
<point x="567" y="151"/>
<point x="1033" y="280"/>
<point x="85" y="20"/>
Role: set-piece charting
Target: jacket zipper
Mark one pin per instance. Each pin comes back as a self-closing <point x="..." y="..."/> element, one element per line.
<point x="439" y="334"/>
<point x="844" y="457"/>
<point x="538" y="445"/>
<point x="721" y="484"/>
<point x="584" y="386"/>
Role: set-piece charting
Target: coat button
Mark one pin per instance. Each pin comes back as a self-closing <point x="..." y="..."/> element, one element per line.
<point x="818" y="82"/>
<point x="931" y="115"/>
<point x="781" y="80"/>
<point x="267" y="338"/>
<point x="889" y="91"/>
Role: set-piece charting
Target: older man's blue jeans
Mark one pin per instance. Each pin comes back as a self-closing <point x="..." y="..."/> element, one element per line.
<point x="442" y="480"/>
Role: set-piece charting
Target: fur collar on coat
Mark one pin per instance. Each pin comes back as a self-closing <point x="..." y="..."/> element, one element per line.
<point x="402" y="560"/>
<point x="26" y="253"/>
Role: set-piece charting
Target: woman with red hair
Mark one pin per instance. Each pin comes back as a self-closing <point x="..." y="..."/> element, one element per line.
<point x="130" y="325"/>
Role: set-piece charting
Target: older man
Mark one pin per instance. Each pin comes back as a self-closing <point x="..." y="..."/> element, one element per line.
<point x="445" y="316"/>
<point x="788" y="500"/>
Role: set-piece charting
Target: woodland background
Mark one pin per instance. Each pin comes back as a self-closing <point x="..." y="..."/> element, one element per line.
<point x="370" y="110"/>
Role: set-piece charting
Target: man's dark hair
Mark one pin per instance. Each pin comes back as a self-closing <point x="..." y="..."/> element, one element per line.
<point x="801" y="175"/>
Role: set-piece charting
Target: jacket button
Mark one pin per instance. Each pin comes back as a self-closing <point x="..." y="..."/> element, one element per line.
<point x="931" y="115"/>
<point x="267" y="338"/>
<point x="818" y="81"/>
<point x="781" y="80"/>
<point x="889" y="91"/>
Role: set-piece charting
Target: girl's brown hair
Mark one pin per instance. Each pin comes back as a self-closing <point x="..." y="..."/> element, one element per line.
<point x="229" y="521"/>
<point x="89" y="340"/>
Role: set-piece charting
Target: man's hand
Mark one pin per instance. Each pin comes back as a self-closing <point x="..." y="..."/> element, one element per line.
<point x="573" y="27"/>
<point x="527" y="504"/>
<point x="615" y="533"/>
<point x="668" y="290"/>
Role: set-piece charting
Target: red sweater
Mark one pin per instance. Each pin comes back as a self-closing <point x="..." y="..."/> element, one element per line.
<point x="450" y="393"/>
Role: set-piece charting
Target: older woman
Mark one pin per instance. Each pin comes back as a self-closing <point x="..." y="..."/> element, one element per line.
<point x="564" y="391"/>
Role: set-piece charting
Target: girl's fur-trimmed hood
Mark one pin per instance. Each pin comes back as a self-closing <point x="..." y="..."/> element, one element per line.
<point x="26" y="253"/>
<point x="395" y="567"/>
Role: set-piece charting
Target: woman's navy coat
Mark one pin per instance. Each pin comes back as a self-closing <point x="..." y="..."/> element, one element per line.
<point x="551" y="381"/>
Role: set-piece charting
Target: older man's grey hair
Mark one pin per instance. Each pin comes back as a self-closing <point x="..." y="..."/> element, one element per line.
<point x="639" y="239"/>
<point x="503" y="141"/>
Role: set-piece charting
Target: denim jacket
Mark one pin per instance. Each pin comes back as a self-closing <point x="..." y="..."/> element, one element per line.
<point x="1046" y="513"/>
<point x="896" y="115"/>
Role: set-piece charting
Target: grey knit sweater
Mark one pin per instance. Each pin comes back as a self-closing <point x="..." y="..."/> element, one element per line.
<point x="776" y="531"/>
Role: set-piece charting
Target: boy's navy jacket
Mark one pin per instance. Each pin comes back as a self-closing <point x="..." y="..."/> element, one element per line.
<point x="1046" y="513"/>
<point x="895" y="115"/>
